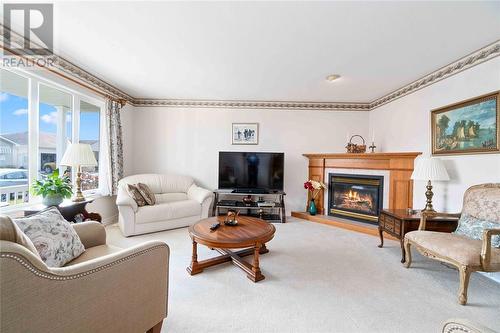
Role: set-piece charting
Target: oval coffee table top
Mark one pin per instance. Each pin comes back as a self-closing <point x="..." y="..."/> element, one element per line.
<point x="248" y="232"/>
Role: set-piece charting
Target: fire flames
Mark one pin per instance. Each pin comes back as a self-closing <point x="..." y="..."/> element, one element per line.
<point x="354" y="200"/>
<point x="353" y="195"/>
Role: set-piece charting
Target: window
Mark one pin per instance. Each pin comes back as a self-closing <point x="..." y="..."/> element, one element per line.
<point x="89" y="134"/>
<point x="54" y="127"/>
<point x="14" y="154"/>
<point x="38" y="119"/>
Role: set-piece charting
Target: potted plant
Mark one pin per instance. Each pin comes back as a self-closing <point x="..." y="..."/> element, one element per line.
<point x="52" y="188"/>
<point x="315" y="188"/>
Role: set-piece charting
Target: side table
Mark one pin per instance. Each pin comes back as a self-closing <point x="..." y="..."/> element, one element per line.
<point x="398" y="222"/>
<point x="68" y="209"/>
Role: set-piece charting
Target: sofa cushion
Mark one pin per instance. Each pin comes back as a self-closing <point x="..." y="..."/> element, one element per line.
<point x="461" y="249"/>
<point x="9" y="231"/>
<point x="472" y="227"/>
<point x="54" y="238"/>
<point x="146" y="193"/>
<point x="135" y="194"/>
<point x="167" y="211"/>
<point x="93" y="253"/>
<point x="175" y="183"/>
<point x="170" y="197"/>
<point x="158" y="183"/>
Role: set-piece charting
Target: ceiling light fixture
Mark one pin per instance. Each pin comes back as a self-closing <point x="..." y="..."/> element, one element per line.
<point x="332" y="77"/>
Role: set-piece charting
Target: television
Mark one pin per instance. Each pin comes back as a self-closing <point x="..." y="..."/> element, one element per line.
<point x="251" y="172"/>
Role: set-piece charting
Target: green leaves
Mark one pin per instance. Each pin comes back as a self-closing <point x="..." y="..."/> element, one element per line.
<point x="52" y="184"/>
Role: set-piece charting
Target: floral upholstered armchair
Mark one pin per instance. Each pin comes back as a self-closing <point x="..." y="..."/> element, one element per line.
<point x="474" y="246"/>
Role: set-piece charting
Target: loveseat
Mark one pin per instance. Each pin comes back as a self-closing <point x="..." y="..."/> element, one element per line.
<point x="179" y="203"/>
<point x="96" y="292"/>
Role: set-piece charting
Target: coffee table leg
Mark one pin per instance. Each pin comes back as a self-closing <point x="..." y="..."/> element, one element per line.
<point x="256" y="275"/>
<point x="194" y="268"/>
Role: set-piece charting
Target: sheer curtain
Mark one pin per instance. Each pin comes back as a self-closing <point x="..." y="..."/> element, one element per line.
<point x="114" y="147"/>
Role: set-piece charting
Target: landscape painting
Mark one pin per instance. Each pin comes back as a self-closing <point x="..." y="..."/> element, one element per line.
<point x="467" y="127"/>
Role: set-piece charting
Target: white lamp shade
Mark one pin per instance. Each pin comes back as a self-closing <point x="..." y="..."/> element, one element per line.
<point x="78" y="154"/>
<point x="429" y="168"/>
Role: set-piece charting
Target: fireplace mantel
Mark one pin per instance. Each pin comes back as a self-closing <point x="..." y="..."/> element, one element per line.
<point x="399" y="165"/>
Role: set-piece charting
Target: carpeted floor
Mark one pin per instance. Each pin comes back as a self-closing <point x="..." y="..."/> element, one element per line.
<point x="318" y="279"/>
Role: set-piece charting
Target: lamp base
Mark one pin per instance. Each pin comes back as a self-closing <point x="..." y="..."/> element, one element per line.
<point x="78" y="195"/>
<point x="78" y="199"/>
<point x="428" y="194"/>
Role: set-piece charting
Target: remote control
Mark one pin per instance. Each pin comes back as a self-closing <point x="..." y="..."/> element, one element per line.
<point x="214" y="226"/>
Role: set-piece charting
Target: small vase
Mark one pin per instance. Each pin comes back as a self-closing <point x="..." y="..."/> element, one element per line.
<point x="52" y="200"/>
<point x="312" y="208"/>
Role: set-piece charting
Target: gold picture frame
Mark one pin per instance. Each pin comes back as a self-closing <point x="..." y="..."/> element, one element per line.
<point x="467" y="127"/>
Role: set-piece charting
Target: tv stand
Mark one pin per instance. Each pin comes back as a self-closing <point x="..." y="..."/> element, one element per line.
<point x="250" y="191"/>
<point x="274" y="212"/>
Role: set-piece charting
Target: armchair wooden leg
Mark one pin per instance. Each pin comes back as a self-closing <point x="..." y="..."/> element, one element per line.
<point x="407" y="262"/>
<point x="464" y="284"/>
<point x="156" y="328"/>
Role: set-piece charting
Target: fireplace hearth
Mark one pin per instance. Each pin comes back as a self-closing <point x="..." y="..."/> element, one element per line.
<point x="356" y="197"/>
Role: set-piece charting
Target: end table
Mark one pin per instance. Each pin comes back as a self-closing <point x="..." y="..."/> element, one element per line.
<point x="68" y="209"/>
<point x="398" y="222"/>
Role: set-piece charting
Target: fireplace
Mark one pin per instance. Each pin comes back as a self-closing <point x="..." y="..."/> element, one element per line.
<point x="356" y="197"/>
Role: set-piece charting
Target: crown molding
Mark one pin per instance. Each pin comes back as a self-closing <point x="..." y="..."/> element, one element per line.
<point x="473" y="59"/>
<point x="239" y="104"/>
<point x="61" y="67"/>
<point x="76" y="74"/>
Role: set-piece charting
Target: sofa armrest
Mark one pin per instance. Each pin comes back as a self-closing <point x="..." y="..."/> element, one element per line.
<point x="91" y="233"/>
<point x="458" y="325"/>
<point x="99" y="289"/>
<point x="486" y="246"/>
<point x="124" y="199"/>
<point x="198" y="193"/>
<point x="425" y="215"/>
<point x="106" y="261"/>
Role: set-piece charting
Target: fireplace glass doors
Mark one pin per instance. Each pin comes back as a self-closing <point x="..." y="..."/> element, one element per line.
<point x="356" y="197"/>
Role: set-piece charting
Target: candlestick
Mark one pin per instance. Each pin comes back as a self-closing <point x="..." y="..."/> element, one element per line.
<point x="372" y="147"/>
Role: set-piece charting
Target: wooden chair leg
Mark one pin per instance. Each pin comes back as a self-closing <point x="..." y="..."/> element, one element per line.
<point x="464" y="272"/>
<point x="407" y="246"/>
<point x="156" y="328"/>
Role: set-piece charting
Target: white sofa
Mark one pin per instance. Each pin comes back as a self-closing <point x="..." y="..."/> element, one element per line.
<point x="179" y="203"/>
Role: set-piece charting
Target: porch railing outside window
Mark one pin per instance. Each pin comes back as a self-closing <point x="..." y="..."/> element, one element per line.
<point x="38" y="119"/>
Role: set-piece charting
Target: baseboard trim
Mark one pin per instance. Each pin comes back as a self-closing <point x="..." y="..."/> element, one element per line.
<point x="341" y="223"/>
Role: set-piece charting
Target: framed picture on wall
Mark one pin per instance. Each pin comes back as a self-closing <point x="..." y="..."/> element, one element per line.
<point x="467" y="127"/>
<point x="245" y="134"/>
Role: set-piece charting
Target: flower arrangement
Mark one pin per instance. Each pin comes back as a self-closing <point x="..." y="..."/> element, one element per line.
<point x="314" y="187"/>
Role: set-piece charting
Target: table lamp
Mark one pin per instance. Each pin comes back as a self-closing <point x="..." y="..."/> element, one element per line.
<point x="76" y="156"/>
<point x="430" y="169"/>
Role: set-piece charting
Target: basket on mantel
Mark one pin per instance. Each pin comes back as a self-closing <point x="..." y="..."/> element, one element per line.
<point x="355" y="148"/>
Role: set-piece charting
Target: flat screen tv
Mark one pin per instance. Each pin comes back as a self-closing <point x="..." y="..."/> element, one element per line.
<point x="251" y="171"/>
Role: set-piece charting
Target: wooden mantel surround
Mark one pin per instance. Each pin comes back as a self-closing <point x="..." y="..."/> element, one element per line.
<point x="399" y="165"/>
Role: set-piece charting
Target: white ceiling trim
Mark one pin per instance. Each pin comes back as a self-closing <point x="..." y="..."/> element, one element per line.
<point x="238" y="104"/>
<point x="484" y="54"/>
<point x="77" y="74"/>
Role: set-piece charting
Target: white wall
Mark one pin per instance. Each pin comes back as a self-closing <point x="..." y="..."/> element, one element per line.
<point x="187" y="141"/>
<point x="404" y="125"/>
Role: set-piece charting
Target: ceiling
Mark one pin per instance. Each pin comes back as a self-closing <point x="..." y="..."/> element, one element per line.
<point x="274" y="51"/>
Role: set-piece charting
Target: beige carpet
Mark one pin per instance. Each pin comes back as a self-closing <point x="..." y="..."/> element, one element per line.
<point x="318" y="279"/>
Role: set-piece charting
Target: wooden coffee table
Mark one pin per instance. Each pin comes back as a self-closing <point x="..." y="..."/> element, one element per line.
<point x="250" y="233"/>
